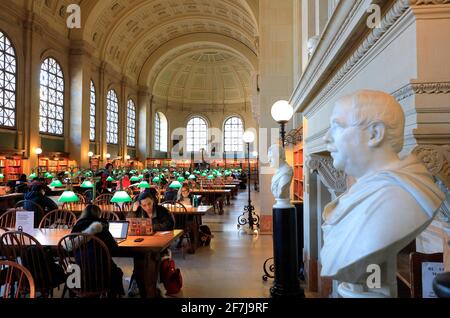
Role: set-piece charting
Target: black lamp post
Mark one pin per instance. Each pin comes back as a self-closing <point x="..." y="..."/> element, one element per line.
<point x="38" y="151"/>
<point x="285" y="242"/>
<point x="252" y="218"/>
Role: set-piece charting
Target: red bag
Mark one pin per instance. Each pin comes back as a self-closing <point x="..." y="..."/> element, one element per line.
<point x="171" y="276"/>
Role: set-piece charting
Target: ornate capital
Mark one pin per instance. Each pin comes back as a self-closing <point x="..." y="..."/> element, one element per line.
<point x="335" y="180"/>
<point x="427" y="2"/>
<point x="422" y="88"/>
<point x="437" y="161"/>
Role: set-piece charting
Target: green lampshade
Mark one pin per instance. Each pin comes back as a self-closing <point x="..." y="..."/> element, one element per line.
<point x="145" y="171"/>
<point x="56" y="184"/>
<point x="181" y="179"/>
<point x="68" y="196"/>
<point x="134" y="179"/>
<point x="210" y="177"/>
<point x="176" y="174"/>
<point x="2" y="176"/>
<point x="66" y="172"/>
<point x="192" y="177"/>
<point x="197" y="172"/>
<point x="132" y="171"/>
<point x="204" y="174"/>
<point x="141" y="176"/>
<point x="48" y="175"/>
<point x="121" y="197"/>
<point x="144" y="184"/>
<point x="219" y="174"/>
<point x="32" y="176"/>
<point x="175" y="185"/>
<point x="88" y="174"/>
<point x="110" y="179"/>
<point x="187" y="173"/>
<point x="87" y="184"/>
<point x="156" y="179"/>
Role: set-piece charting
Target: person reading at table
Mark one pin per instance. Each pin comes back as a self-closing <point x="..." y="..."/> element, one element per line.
<point x="90" y="223"/>
<point x="148" y="207"/>
<point x="37" y="195"/>
<point x="162" y="220"/>
<point x="184" y="195"/>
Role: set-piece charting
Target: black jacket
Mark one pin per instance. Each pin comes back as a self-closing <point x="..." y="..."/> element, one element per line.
<point x="45" y="203"/>
<point x="162" y="219"/>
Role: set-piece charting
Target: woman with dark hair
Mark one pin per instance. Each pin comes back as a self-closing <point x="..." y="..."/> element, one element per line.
<point x="37" y="195"/>
<point x="102" y="185"/>
<point x="148" y="207"/>
<point x="90" y="223"/>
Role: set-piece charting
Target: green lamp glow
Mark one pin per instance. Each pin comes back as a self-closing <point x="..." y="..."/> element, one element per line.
<point x="66" y="172"/>
<point x="32" y="176"/>
<point x="210" y="177"/>
<point x="87" y="184"/>
<point x="145" y="171"/>
<point x="219" y="174"/>
<point x="204" y="174"/>
<point x="187" y="173"/>
<point x="181" y="179"/>
<point x="68" y="196"/>
<point x="121" y="197"/>
<point x="141" y="176"/>
<point x="144" y="184"/>
<point x="56" y="184"/>
<point x="156" y="179"/>
<point x="192" y="177"/>
<point x="175" y="185"/>
<point x="110" y="179"/>
<point x="48" y="175"/>
<point x="134" y="179"/>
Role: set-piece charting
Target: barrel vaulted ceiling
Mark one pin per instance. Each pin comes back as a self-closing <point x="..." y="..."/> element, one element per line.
<point x="185" y="51"/>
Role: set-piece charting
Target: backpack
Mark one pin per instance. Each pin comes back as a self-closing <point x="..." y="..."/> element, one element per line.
<point x="170" y="275"/>
<point x="205" y="235"/>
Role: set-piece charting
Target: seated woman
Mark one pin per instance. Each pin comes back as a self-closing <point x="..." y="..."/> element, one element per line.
<point x="90" y="223"/>
<point x="148" y="207"/>
<point x="37" y="195"/>
<point x="162" y="220"/>
<point x="184" y="195"/>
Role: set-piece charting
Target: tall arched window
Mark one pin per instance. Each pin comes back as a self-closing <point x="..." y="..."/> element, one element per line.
<point x="7" y="83"/>
<point x="92" y="113"/>
<point x="197" y="134"/>
<point x="51" y="110"/>
<point x="161" y="128"/>
<point x="131" y="124"/>
<point x="233" y="131"/>
<point x="112" y="118"/>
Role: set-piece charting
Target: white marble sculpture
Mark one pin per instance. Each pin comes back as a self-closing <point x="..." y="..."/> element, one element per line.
<point x="392" y="201"/>
<point x="281" y="181"/>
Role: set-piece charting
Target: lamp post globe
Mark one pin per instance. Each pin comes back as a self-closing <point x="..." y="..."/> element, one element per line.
<point x="282" y="111"/>
<point x="248" y="136"/>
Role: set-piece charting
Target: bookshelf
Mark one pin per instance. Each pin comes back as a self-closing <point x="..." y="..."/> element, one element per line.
<point x="157" y="163"/>
<point x="298" y="172"/>
<point x="11" y="167"/>
<point x="55" y="165"/>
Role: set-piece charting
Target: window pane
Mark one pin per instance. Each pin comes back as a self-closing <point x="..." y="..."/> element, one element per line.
<point x="51" y="109"/>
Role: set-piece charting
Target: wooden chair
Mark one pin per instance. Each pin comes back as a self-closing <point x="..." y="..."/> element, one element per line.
<point x="31" y="206"/>
<point x="25" y="250"/>
<point x="94" y="260"/>
<point x="103" y="199"/>
<point x="415" y="260"/>
<point x="8" y="219"/>
<point x="109" y="215"/>
<point x="15" y="281"/>
<point x="58" y="219"/>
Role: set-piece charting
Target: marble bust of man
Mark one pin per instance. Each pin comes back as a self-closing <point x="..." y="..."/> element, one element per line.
<point x="392" y="201"/>
<point x="281" y="181"/>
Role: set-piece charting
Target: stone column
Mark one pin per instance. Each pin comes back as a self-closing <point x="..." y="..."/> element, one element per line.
<point x="31" y="138"/>
<point x="144" y="116"/>
<point x="123" y="109"/>
<point x="276" y="82"/>
<point x="101" y="112"/>
<point x="80" y="76"/>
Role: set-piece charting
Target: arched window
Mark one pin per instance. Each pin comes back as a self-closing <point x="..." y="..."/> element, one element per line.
<point x="92" y="113"/>
<point x="197" y="134"/>
<point x="131" y="124"/>
<point x="51" y="110"/>
<point x="233" y="131"/>
<point x="7" y="83"/>
<point x="112" y="118"/>
<point x="161" y="128"/>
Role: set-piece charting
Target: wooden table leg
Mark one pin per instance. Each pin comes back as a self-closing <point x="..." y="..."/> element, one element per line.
<point x="146" y="270"/>
<point x="195" y="235"/>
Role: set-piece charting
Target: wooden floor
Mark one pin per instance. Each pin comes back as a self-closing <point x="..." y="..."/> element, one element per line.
<point x="231" y="267"/>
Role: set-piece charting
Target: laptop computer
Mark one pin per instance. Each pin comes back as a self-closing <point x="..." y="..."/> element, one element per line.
<point x="119" y="230"/>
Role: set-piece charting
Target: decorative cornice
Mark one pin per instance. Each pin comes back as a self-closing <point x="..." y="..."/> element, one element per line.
<point x="427" y="2"/>
<point x="335" y="180"/>
<point x="422" y="88"/>
<point x="390" y="18"/>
